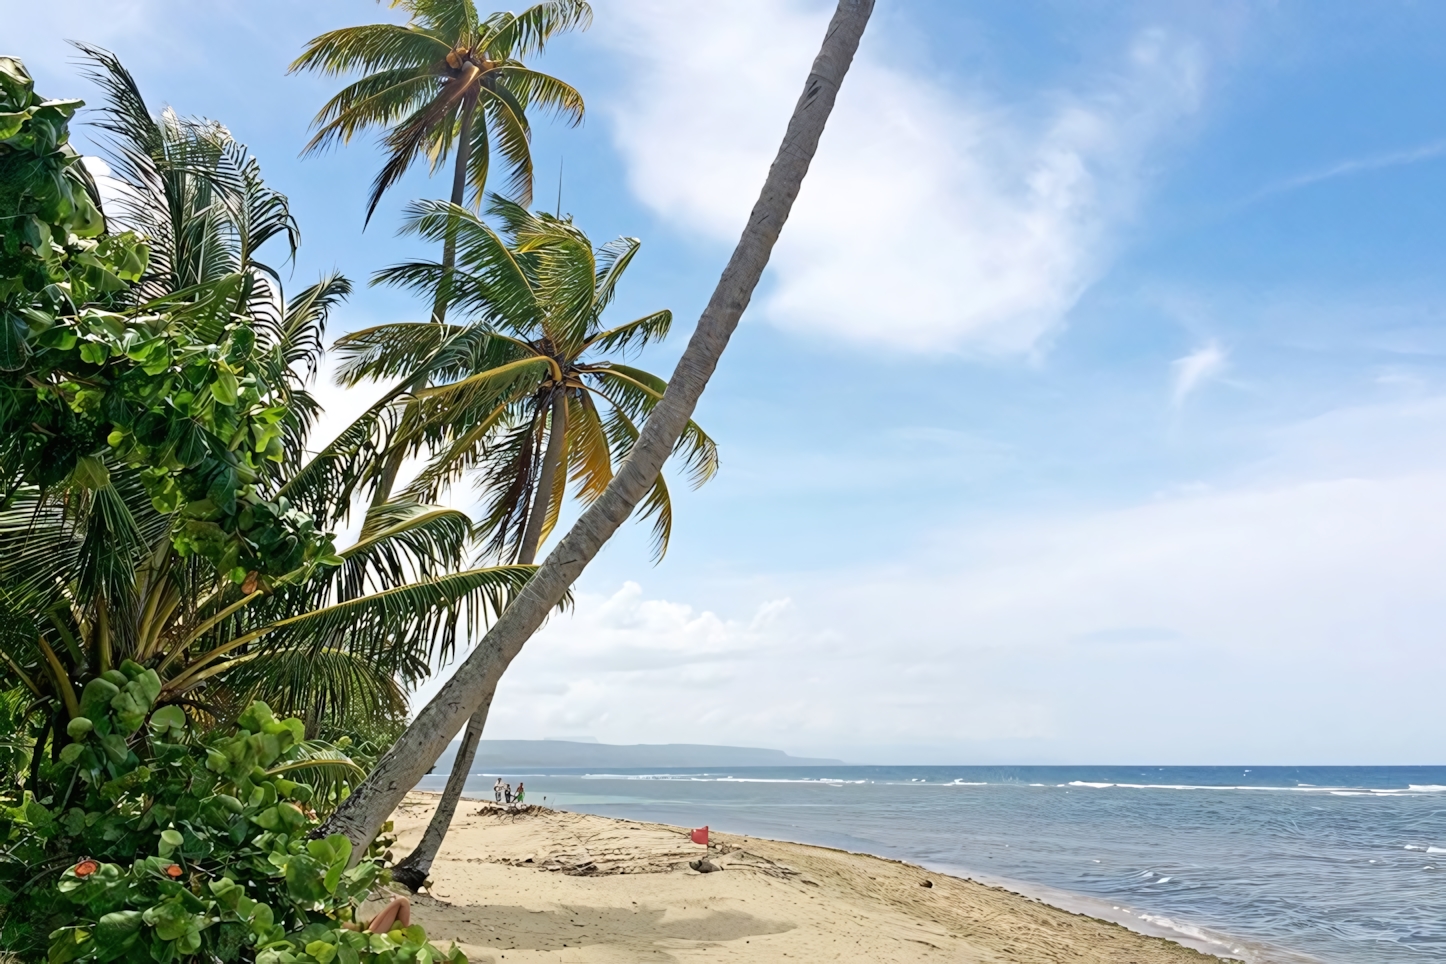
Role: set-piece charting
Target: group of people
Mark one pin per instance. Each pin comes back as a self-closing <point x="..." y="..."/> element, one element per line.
<point x="502" y="793"/>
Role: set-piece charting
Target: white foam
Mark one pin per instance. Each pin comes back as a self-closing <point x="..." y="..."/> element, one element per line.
<point x="1436" y="850"/>
<point x="705" y="778"/>
<point x="1201" y="939"/>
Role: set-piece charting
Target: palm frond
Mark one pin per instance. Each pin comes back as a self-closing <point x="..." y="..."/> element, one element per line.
<point x="533" y="89"/>
<point x="418" y="134"/>
<point x="406" y="626"/>
<point x="613" y="259"/>
<point x="467" y="449"/>
<point x="487" y="389"/>
<point x="639" y="332"/>
<point x="508" y="128"/>
<point x="400" y="541"/>
<point x="376" y="101"/>
<point x="372" y="48"/>
<point x="528" y="32"/>
<point x="492" y="280"/>
<point x="393" y="350"/>
<point x="634" y="392"/>
<point x="454" y="20"/>
<point x="589" y="452"/>
<point x="657" y="504"/>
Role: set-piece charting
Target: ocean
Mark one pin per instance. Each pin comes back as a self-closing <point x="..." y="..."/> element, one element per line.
<point x="1341" y="865"/>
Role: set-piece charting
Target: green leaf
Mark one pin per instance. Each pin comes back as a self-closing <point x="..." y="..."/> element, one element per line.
<point x="171" y="840"/>
<point x="224" y="388"/>
<point x="304" y="879"/>
<point x="115" y="747"/>
<point x="68" y="943"/>
<point x="116" y="932"/>
<point x="170" y="919"/>
<point x="168" y="718"/>
<point x="13" y="350"/>
<point x="323" y="951"/>
<point x="95" y="699"/>
<point x="94" y="352"/>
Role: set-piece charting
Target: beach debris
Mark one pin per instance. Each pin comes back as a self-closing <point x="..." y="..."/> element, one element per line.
<point x="704" y="866"/>
<point x="926" y="883"/>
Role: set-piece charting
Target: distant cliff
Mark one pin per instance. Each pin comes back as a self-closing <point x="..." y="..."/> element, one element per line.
<point x="495" y="755"/>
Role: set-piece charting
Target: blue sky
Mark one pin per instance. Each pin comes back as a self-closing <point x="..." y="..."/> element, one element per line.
<point x="1090" y="411"/>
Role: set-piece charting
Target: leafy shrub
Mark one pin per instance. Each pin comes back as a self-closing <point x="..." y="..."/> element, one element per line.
<point x="168" y="845"/>
<point x="176" y="387"/>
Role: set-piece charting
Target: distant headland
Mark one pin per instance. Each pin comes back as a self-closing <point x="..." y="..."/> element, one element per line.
<point x="499" y="754"/>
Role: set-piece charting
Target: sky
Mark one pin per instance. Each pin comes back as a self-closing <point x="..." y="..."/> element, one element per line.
<point x="1090" y="410"/>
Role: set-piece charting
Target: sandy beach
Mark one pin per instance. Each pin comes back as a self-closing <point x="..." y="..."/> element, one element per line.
<point x="546" y="885"/>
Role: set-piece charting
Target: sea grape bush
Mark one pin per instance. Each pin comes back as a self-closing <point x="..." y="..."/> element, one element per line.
<point x="177" y="387"/>
<point x="168" y="845"/>
<point x="51" y="244"/>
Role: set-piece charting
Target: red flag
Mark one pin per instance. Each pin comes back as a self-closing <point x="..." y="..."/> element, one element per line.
<point x="701" y="836"/>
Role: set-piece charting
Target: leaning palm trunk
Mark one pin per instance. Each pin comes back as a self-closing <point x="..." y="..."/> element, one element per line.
<point x="414" y="870"/>
<point x="364" y="812"/>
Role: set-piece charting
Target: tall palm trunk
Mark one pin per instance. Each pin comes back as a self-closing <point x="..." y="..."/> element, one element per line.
<point x="417" y="866"/>
<point x="414" y="869"/>
<point x="397" y="455"/>
<point x="367" y="809"/>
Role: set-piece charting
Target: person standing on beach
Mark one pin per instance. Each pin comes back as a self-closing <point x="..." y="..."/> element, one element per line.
<point x="507" y="794"/>
<point x="497" y="790"/>
<point x="521" y="792"/>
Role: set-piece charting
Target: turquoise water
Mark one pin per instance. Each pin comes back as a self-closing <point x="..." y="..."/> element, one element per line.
<point x="1345" y="865"/>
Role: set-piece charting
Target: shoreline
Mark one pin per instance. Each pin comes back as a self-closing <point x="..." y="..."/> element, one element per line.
<point x="1206" y="940"/>
<point x="505" y="881"/>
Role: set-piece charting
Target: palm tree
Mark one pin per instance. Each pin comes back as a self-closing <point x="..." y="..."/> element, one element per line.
<point x="448" y="78"/>
<point x="364" y="812"/>
<point x="93" y="576"/>
<point x="428" y="84"/>
<point x="533" y="402"/>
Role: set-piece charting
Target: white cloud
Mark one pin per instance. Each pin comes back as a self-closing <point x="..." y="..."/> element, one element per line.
<point x="933" y="218"/>
<point x="1359" y="165"/>
<point x="1196" y="368"/>
<point x="1281" y="620"/>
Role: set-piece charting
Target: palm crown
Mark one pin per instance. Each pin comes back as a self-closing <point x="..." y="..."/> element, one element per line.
<point x="427" y="82"/>
<point x="524" y="396"/>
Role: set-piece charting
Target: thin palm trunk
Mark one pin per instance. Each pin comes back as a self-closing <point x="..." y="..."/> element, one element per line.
<point x="392" y="463"/>
<point x="551" y="463"/>
<point x="459" y="197"/>
<point x="413" y="871"/>
<point x="363" y="813"/>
